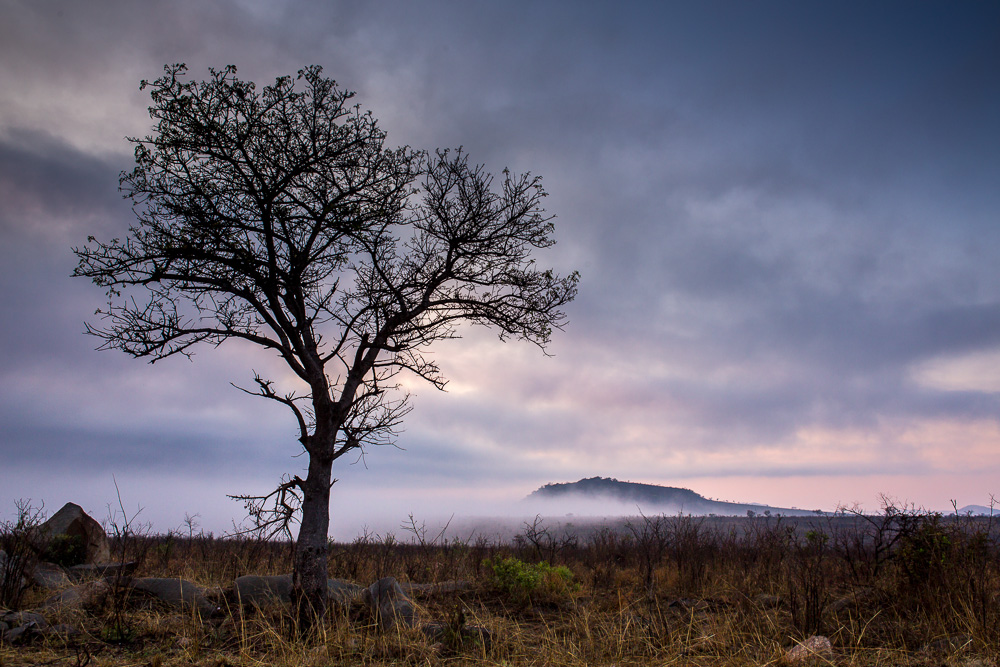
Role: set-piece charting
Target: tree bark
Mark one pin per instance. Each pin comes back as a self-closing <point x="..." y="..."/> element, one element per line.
<point x="309" y="578"/>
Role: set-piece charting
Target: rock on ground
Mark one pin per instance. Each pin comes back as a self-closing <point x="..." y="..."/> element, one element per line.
<point x="83" y="596"/>
<point x="73" y="521"/>
<point x="50" y="576"/>
<point x="816" y="647"/>
<point x="21" y="625"/>
<point x="254" y="590"/>
<point x="389" y="605"/>
<point x="177" y="593"/>
<point x="106" y="570"/>
<point x="440" y="588"/>
<point x="342" y="592"/>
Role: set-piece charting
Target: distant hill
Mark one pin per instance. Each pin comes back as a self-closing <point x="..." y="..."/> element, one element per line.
<point x="592" y="494"/>
<point x="978" y="510"/>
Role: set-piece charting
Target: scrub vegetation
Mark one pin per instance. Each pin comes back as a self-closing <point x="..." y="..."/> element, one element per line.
<point x="902" y="587"/>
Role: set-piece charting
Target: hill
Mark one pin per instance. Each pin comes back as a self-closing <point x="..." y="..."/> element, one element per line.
<point x="606" y="495"/>
<point x="978" y="510"/>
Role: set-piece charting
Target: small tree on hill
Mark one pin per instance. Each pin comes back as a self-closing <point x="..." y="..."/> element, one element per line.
<point x="280" y="218"/>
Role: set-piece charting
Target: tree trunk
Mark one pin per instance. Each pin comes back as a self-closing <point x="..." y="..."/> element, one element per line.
<point x="309" y="579"/>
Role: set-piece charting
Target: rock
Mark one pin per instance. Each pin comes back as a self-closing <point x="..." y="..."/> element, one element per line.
<point x="389" y="605"/>
<point x="87" y="571"/>
<point x="343" y="592"/>
<point x="440" y="588"/>
<point x="16" y="618"/>
<point x="90" y="595"/>
<point x="20" y="634"/>
<point x="816" y="647"/>
<point x="21" y="626"/>
<point x="254" y="590"/>
<point x="73" y="521"/>
<point x="257" y="590"/>
<point x="177" y="593"/>
<point x="50" y="576"/>
<point x="105" y="570"/>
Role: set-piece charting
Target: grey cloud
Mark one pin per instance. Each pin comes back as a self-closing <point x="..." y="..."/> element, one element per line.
<point x="778" y="211"/>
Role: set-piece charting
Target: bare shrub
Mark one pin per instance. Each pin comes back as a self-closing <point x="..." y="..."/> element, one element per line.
<point x="20" y="547"/>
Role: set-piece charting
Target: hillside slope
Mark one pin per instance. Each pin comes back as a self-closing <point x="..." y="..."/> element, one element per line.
<point x="598" y="492"/>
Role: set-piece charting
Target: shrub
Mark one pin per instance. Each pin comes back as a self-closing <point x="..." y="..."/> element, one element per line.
<point x="65" y="550"/>
<point x="17" y="552"/>
<point x="926" y="553"/>
<point x="530" y="581"/>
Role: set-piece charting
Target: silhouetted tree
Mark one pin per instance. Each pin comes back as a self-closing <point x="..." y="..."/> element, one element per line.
<point x="280" y="218"/>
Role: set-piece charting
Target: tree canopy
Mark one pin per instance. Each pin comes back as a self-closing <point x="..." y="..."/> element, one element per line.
<point x="280" y="217"/>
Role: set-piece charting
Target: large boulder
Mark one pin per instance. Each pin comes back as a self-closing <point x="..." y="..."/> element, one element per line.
<point x="72" y="521"/>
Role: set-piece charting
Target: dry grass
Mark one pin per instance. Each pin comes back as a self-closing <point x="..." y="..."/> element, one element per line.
<point x="739" y="593"/>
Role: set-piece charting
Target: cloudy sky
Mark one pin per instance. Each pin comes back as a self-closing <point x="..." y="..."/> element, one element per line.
<point x="785" y="215"/>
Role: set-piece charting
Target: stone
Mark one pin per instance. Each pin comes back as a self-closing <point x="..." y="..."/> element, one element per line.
<point x="440" y="588"/>
<point x="90" y="595"/>
<point x="389" y="605"/>
<point x="20" y="633"/>
<point x="105" y="570"/>
<point x="816" y="647"/>
<point x="254" y="590"/>
<point x="257" y="590"/>
<point x="16" y="618"/>
<point x="73" y="521"/>
<point x="50" y="576"/>
<point x="342" y="592"/>
<point x="177" y="593"/>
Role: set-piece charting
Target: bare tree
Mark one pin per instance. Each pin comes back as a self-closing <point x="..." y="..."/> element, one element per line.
<point x="279" y="217"/>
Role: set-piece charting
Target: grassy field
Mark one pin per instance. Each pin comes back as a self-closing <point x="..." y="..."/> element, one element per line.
<point x="900" y="588"/>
